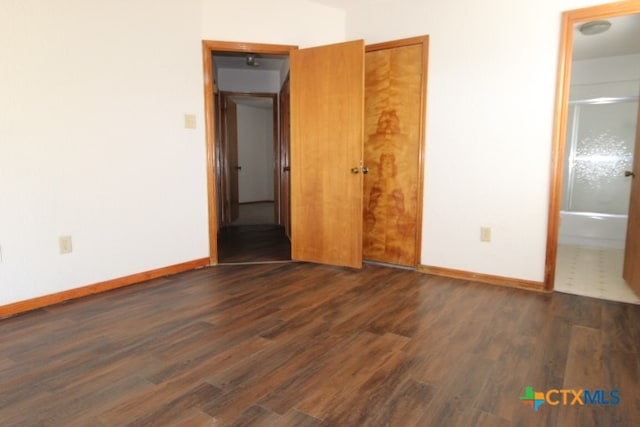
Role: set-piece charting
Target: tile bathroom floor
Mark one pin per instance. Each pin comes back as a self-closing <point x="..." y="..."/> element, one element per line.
<point x="592" y="272"/>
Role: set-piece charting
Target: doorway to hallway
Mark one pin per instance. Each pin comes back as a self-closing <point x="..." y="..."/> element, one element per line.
<point x="245" y="167"/>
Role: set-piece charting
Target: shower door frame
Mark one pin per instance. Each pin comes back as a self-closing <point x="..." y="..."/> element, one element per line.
<point x="574" y="140"/>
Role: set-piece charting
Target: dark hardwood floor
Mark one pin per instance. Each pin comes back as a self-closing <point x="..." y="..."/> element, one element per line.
<point x="253" y="243"/>
<point x="298" y="344"/>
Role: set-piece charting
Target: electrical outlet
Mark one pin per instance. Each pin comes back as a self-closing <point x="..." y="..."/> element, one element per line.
<point x="65" y="244"/>
<point x="485" y="234"/>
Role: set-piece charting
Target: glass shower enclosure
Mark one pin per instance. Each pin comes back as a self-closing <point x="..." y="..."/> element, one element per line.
<point x="599" y="150"/>
<point x="599" y="153"/>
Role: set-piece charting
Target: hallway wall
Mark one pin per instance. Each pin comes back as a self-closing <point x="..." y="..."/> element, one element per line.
<point x="255" y="153"/>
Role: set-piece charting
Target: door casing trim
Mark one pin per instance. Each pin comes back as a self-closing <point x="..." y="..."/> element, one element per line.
<point x="224" y="97"/>
<point x="569" y="19"/>
<point x="208" y="48"/>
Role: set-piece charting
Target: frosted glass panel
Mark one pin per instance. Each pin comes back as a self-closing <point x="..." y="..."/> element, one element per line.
<point x="568" y="160"/>
<point x="601" y="150"/>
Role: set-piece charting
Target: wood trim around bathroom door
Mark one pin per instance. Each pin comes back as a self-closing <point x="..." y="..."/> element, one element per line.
<point x="569" y="19"/>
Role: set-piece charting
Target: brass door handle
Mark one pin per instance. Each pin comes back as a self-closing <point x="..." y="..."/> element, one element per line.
<point x="629" y="174"/>
<point x="364" y="170"/>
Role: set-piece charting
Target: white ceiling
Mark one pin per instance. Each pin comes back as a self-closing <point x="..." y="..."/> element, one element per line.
<point x="623" y="38"/>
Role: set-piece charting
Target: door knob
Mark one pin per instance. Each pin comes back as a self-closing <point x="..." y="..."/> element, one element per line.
<point x="629" y="173"/>
<point x="364" y="170"/>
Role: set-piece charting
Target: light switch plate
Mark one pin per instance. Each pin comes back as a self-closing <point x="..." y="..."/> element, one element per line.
<point x="189" y="121"/>
<point x="65" y="244"/>
<point x="485" y="234"/>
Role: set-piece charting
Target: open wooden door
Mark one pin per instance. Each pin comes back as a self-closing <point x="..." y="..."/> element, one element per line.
<point x="631" y="270"/>
<point x="327" y="116"/>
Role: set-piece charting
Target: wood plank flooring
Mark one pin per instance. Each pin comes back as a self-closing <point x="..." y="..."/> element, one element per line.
<point x="253" y="243"/>
<point x="298" y="344"/>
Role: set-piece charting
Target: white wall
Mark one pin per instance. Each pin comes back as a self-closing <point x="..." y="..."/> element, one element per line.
<point x="491" y="90"/>
<point x="249" y="81"/>
<point x="255" y="153"/>
<point x="284" y="71"/>
<point x="616" y="76"/>
<point x="294" y="22"/>
<point x="92" y="144"/>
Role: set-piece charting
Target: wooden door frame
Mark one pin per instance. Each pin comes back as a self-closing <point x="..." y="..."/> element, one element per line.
<point x="424" y="42"/>
<point x="208" y="48"/>
<point x="224" y="98"/>
<point x="284" y="145"/>
<point x="569" y="19"/>
<point x="229" y="196"/>
<point x="630" y="270"/>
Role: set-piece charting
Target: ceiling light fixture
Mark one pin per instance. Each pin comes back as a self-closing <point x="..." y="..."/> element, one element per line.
<point x="251" y="60"/>
<point x="594" y="27"/>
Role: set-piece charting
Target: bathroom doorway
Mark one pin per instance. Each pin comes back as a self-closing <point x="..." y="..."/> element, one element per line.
<point x="596" y="123"/>
<point x="598" y="159"/>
